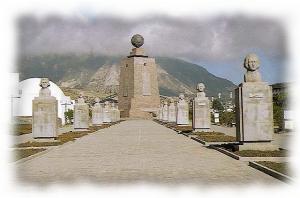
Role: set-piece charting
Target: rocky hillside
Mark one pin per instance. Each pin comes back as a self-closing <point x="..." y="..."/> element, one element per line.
<point x="101" y="74"/>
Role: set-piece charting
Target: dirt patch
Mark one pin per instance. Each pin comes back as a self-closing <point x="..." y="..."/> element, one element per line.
<point x="37" y="144"/>
<point x="281" y="167"/>
<point x="22" y="153"/>
<point x="184" y="128"/>
<point x="20" y="129"/>
<point x="215" y="137"/>
<point x="258" y="153"/>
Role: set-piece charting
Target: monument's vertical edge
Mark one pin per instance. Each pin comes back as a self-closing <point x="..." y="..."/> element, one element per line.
<point x="138" y="94"/>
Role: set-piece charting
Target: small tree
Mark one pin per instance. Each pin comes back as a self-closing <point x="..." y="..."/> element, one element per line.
<point x="217" y="105"/>
<point x="69" y="115"/>
<point x="227" y="118"/>
<point x="279" y="103"/>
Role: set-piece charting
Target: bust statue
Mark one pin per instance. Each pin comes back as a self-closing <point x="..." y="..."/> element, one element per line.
<point x="252" y="63"/>
<point x="44" y="84"/>
<point x="165" y="103"/>
<point x="113" y="105"/>
<point x="181" y="97"/>
<point x="171" y="101"/>
<point x="81" y="99"/>
<point x="200" y="87"/>
<point x="106" y="104"/>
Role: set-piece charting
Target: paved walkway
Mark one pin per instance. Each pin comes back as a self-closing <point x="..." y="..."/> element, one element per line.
<point x="138" y="150"/>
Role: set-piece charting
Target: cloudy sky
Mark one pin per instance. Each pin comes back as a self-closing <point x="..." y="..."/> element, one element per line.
<point x="217" y="43"/>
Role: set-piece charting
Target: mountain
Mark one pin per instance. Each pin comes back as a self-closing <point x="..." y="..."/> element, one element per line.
<point x="101" y="73"/>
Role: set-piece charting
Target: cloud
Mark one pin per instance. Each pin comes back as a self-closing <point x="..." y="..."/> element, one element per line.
<point x="219" y="39"/>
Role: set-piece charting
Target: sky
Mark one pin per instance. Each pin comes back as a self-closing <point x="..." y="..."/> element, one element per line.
<point x="218" y="43"/>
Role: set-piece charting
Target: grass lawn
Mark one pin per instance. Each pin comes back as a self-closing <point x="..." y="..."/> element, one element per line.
<point x="215" y="137"/>
<point x="63" y="138"/>
<point x="281" y="167"/>
<point x="258" y="153"/>
<point x="37" y="144"/>
<point x="20" y="129"/>
<point x="22" y="153"/>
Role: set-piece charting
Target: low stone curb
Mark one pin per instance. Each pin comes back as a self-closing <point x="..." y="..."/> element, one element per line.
<point x="224" y="151"/>
<point x="199" y="140"/>
<point x="247" y="159"/>
<point x="187" y="135"/>
<point x="271" y="172"/>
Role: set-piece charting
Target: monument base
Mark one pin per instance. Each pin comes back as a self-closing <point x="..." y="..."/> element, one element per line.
<point x="80" y="129"/>
<point x="202" y="130"/>
<point x="262" y="146"/>
<point x="45" y="139"/>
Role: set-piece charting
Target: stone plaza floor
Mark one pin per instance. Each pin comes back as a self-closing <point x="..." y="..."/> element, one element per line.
<point x="138" y="151"/>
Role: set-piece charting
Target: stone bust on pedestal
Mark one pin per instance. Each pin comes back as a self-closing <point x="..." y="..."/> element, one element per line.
<point x="201" y="113"/>
<point x="81" y="114"/>
<point x="107" y="113"/>
<point x="254" y="108"/>
<point x="182" y="111"/>
<point x="165" y="111"/>
<point x="97" y="113"/>
<point x="252" y="63"/>
<point x="172" y="111"/>
<point x="44" y="112"/>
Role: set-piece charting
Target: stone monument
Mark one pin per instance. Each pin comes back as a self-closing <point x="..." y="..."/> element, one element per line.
<point x="81" y="114"/>
<point x="201" y="113"/>
<point x="182" y="111"/>
<point x="172" y="111"/>
<point x="160" y="111"/>
<point x="138" y="93"/>
<point x="115" y="113"/>
<point x="165" y="111"/>
<point x="254" y="108"/>
<point x="107" y="112"/>
<point x="44" y="113"/>
<point x="97" y="113"/>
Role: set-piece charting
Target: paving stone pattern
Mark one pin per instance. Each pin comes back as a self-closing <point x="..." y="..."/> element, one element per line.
<point x="135" y="151"/>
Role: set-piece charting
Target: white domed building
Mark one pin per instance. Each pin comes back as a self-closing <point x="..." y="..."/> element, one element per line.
<point x="29" y="88"/>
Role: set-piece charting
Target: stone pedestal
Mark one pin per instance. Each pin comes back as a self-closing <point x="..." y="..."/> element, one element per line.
<point x="81" y="116"/>
<point x="182" y="113"/>
<point x="44" y="117"/>
<point x="97" y="114"/>
<point x="138" y="93"/>
<point x="172" y="113"/>
<point x="201" y="114"/>
<point x="165" y="113"/>
<point x="107" y="114"/>
<point x="115" y="115"/>
<point x="160" y="112"/>
<point x="254" y="112"/>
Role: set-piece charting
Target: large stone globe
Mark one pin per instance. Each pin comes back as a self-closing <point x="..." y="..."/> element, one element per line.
<point x="137" y="40"/>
